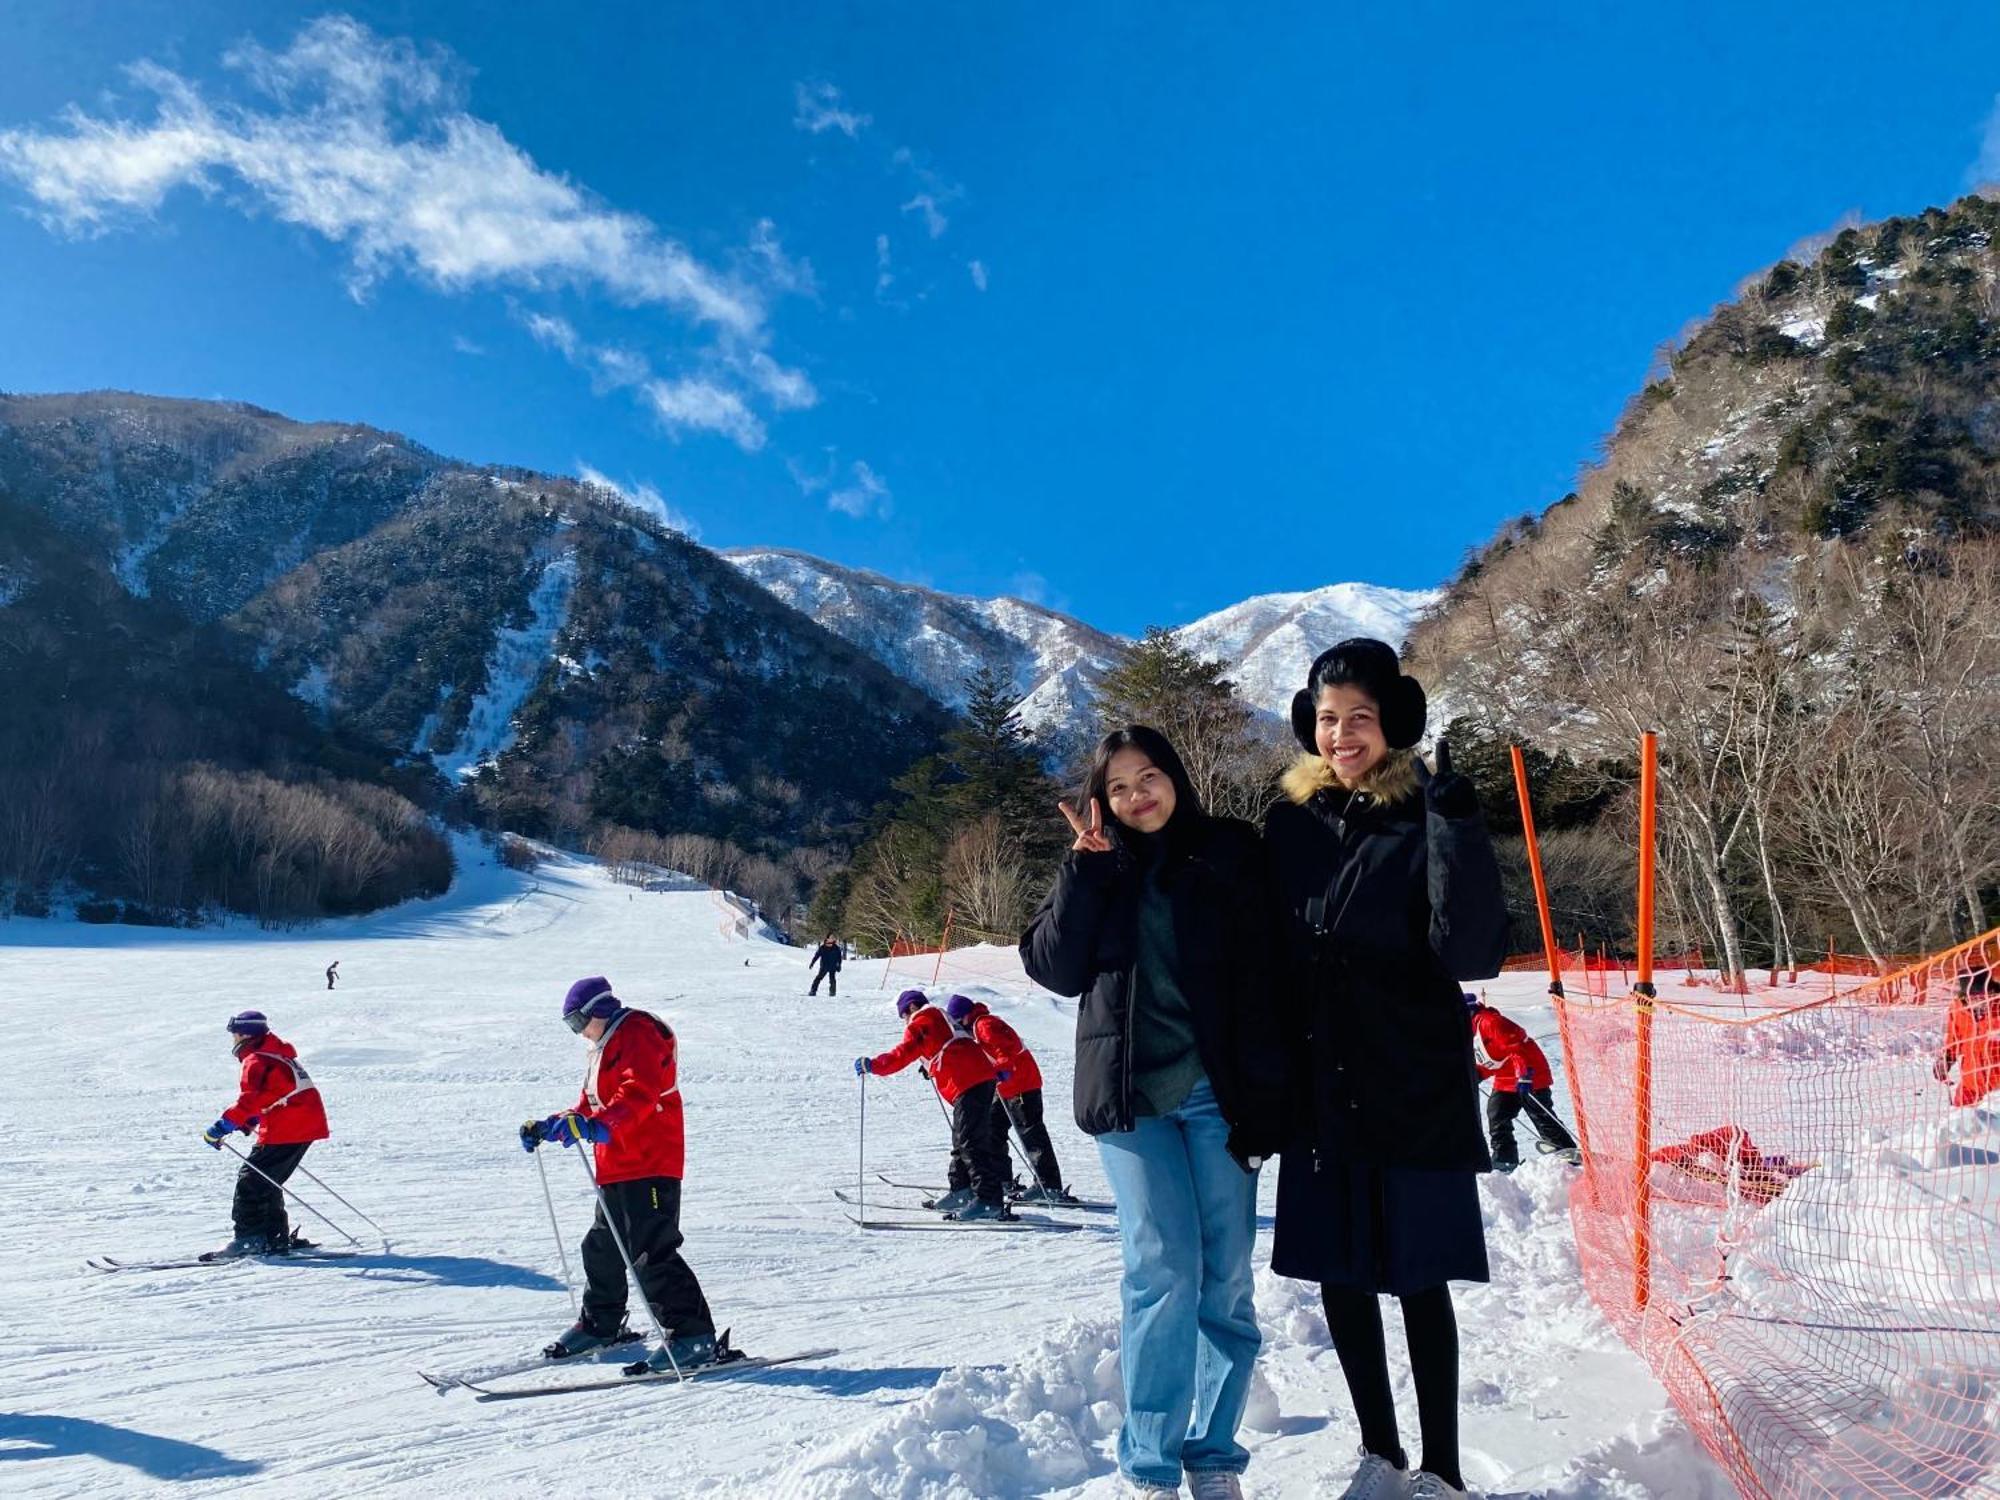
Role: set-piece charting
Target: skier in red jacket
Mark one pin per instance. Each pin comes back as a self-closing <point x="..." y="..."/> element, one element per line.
<point x="278" y="1102"/>
<point x="1971" y="1041"/>
<point x="1019" y="1099"/>
<point x="1521" y="1078"/>
<point x="630" y="1112"/>
<point x="965" y="1080"/>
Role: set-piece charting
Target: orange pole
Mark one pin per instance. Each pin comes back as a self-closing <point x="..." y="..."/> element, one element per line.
<point x="943" y="943"/>
<point x="1642" y="995"/>
<point x="1549" y="949"/>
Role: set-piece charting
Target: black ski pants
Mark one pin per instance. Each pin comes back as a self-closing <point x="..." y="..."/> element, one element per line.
<point x="1502" y="1105"/>
<point x="1024" y="1113"/>
<point x="259" y="1206"/>
<point x="647" y="1212"/>
<point x="979" y="1143"/>
<point x="832" y="978"/>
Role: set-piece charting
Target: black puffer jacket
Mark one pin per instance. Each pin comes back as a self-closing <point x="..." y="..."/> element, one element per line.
<point x="1084" y="941"/>
<point x="1387" y="908"/>
<point x="827" y="958"/>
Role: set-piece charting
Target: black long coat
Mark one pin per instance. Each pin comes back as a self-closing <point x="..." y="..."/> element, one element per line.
<point x="1387" y="907"/>
<point x="1084" y="941"/>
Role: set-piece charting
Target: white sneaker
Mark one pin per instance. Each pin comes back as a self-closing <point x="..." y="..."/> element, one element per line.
<point x="1376" y="1479"/>
<point x="1425" y="1485"/>
<point x="1214" y="1484"/>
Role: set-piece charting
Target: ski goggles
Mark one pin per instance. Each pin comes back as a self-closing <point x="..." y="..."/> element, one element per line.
<point x="583" y="1015"/>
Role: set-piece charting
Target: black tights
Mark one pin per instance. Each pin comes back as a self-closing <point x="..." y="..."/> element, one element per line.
<point x="1355" y="1320"/>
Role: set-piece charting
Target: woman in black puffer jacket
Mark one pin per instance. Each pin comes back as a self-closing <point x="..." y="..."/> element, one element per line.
<point x="1390" y="896"/>
<point x="1161" y="920"/>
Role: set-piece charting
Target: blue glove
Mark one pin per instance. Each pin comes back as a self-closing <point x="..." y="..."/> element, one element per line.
<point x="569" y="1126"/>
<point x="214" y="1134"/>
<point x="534" y="1132"/>
<point x="1004" y="1074"/>
<point x="861" y="1066"/>
<point x="1524" y="1086"/>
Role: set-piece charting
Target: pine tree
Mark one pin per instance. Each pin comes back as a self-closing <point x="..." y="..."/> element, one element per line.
<point x="1001" y="765"/>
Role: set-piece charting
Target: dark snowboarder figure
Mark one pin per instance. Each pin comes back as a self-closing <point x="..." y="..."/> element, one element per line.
<point x="1019" y="1099"/>
<point x="825" y="963"/>
<point x="1522" y="1081"/>
<point x="332" y="973"/>
<point x="964" y="1079"/>
<point x="278" y="1101"/>
<point x="630" y="1112"/>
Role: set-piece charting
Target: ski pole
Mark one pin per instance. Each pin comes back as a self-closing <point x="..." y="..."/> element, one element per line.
<point x="618" y="1239"/>
<point x="861" y="1157"/>
<point x="290" y="1194"/>
<point x="569" y="1285"/>
<point x="306" y="1171"/>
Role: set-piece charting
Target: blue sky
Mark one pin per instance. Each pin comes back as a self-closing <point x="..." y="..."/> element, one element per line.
<point x="1133" y="309"/>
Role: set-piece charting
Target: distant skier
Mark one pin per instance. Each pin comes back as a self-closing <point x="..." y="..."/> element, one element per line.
<point x="332" y="973"/>
<point x="965" y="1080"/>
<point x="825" y="963"/>
<point x="278" y="1100"/>
<point x="1019" y="1098"/>
<point x="1971" y="1042"/>
<point x="1504" y="1052"/>
<point x="630" y="1112"/>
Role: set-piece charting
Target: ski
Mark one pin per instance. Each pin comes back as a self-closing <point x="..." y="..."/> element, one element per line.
<point x="646" y="1376"/>
<point x="472" y="1378"/>
<point x="1012" y="1196"/>
<point x="111" y="1263"/>
<point x="888" y="1208"/>
<point x="1047" y="1226"/>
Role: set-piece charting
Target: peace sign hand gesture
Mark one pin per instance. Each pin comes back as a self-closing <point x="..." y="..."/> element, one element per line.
<point x="1090" y="837"/>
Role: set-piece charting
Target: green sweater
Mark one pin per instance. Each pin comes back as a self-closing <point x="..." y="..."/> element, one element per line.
<point x="1166" y="1064"/>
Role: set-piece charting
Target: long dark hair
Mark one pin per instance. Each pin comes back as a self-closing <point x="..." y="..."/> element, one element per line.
<point x="1157" y="748"/>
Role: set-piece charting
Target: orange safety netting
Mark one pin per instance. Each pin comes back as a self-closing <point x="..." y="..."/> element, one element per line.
<point x="1790" y="1206"/>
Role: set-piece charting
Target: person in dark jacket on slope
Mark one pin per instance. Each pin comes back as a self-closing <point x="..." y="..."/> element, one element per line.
<point x="825" y="964"/>
<point x="1160" y="920"/>
<point x="277" y="1101"/>
<point x="1390" y="896"/>
<point x="1018" y="1101"/>
<point x="630" y="1112"/>
<point x="966" y="1082"/>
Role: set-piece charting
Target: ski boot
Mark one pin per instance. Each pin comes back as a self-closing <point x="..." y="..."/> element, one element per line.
<point x="978" y="1212"/>
<point x="299" y="1242"/>
<point x="243" y="1245"/>
<point x="1040" y="1194"/>
<point x="582" y="1338"/>
<point x="952" y="1201"/>
<point x="688" y="1352"/>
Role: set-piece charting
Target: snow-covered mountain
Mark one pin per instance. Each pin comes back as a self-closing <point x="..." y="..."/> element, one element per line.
<point x="935" y="640"/>
<point x="1271" y="639"/>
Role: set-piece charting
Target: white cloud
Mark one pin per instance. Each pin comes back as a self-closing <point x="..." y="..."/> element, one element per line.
<point x="820" y="110"/>
<point x="690" y="403"/>
<point x="779" y="270"/>
<point x="934" y="220"/>
<point x="884" y="277"/>
<point x="978" y="270"/>
<point x="643" y="498"/>
<point x="554" y="333"/>
<point x="465" y="345"/>
<point x="864" y="493"/>
<point x="364" y="143"/>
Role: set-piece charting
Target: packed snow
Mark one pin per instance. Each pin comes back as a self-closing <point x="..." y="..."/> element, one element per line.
<point x="969" y="1363"/>
<point x="520" y="655"/>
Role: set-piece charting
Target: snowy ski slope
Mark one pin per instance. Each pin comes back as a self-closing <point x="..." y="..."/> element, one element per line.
<point x="970" y="1364"/>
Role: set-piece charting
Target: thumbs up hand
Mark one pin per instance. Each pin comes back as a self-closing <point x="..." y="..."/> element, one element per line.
<point x="1446" y="792"/>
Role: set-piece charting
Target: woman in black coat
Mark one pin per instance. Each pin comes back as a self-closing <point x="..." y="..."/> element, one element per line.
<point x="1390" y="896"/>
<point x="1162" y="921"/>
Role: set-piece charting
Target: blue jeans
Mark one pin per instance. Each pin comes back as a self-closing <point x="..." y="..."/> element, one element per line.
<point x="1187" y="1215"/>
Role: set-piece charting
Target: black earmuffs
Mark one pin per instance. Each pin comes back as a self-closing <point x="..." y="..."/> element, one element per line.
<point x="1371" y="666"/>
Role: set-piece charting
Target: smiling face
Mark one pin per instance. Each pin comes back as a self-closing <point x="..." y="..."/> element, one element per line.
<point x="1348" y="730"/>
<point x="1141" y="794"/>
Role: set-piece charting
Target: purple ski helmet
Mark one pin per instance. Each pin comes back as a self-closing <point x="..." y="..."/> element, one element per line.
<point x="587" y="1000"/>
<point x="958" y="1008"/>
<point x="247" y="1023"/>
<point x="910" y="1000"/>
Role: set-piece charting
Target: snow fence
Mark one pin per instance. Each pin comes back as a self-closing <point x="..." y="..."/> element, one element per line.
<point x="1791" y="1210"/>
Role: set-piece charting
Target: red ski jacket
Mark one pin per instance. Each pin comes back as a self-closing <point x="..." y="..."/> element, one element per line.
<point x="955" y="1061"/>
<point x="633" y="1086"/>
<point x="1506" y="1053"/>
<point x="277" y="1095"/>
<point x="1004" y="1048"/>
<point x="1972" y="1040"/>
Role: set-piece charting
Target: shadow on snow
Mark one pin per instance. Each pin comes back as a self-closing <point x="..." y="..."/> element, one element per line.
<point x="29" y="1435"/>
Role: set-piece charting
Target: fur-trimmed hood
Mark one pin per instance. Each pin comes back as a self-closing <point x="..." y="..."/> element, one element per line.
<point x="1393" y="780"/>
